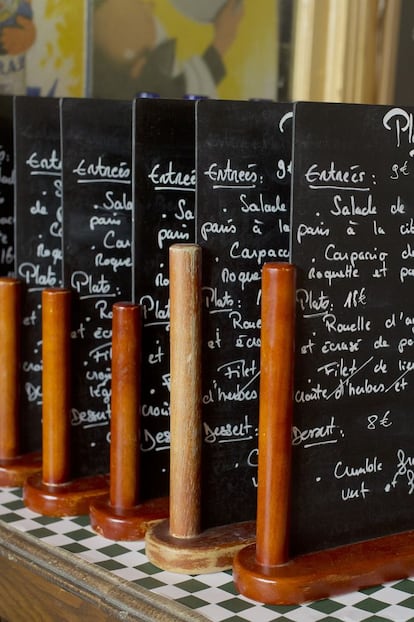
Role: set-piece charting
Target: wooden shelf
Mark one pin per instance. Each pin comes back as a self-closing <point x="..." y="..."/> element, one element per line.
<point x="42" y="583"/>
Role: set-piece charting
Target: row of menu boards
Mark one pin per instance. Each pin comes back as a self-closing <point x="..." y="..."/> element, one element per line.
<point x="103" y="188"/>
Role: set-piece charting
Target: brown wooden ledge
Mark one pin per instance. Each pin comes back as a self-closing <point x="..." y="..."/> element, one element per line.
<point x="42" y="583"/>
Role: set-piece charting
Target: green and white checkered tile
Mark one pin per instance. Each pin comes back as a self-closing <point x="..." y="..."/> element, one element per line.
<point x="212" y="595"/>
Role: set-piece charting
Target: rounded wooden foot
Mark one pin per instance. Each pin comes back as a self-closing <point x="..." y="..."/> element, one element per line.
<point x="211" y="551"/>
<point x="15" y="471"/>
<point x="126" y="524"/>
<point x="68" y="499"/>
<point x="325" y="574"/>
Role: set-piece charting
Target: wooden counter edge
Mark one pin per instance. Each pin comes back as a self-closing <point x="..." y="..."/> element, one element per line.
<point x="49" y="582"/>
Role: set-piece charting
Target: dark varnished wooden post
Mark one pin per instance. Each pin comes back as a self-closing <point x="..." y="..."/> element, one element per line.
<point x="121" y="515"/>
<point x="10" y="293"/>
<point x="275" y="425"/>
<point x="275" y="416"/>
<point x="125" y="406"/>
<point x="54" y="492"/>
<point x="180" y="545"/>
<point x="56" y="386"/>
<point x="14" y="468"/>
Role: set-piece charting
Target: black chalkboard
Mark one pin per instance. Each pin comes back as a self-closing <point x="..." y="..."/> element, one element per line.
<point x="38" y="236"/>
<point x="353" y="243"/>
<point x="243" y="193"/>
<point x="6" y="186"/>
<point x="164" y="214"/>
<point x="97" y="259"/>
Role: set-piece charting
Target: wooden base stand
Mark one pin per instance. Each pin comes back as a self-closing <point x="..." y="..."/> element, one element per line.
<point x="264" y="571"/>
<point x="212" y="550"/>
<point x="67" y="499"/>
<point x="121" y="515"/>
<point x="126" y="523"/>
<point x="15" y="471"/>
<point x="179" y="544"/>
<point x="326" y="573"/>
<point x="54" y="492"/>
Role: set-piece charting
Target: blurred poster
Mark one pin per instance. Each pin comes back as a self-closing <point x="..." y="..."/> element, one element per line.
<point x="216" y="48"/>
<point x="17" y="36"/>
<point x="56" y="59"/>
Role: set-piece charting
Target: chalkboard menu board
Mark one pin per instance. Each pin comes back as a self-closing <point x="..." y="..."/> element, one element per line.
<point x="6" y="186"/>
<point x="243" y="214"/>
<point x="353" y="243"/>
<point x="164" y="215"/>
<point x="97" y="259"/>
<point x="38" y="235"/>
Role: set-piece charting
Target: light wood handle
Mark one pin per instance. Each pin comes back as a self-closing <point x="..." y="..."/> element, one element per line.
<point x="185" y="350"/>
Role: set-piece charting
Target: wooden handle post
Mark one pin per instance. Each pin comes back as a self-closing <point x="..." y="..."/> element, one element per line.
<point x="10" y="295"/>
<point x="275" y="417"/>
<point x="55" y="385"/>
<point x="179" y="545"/>
<point x="185" y="350"/>
<point x="125" y="405"/>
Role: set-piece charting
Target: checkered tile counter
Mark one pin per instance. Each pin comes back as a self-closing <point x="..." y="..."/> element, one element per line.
<point x="213" y="596"/>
